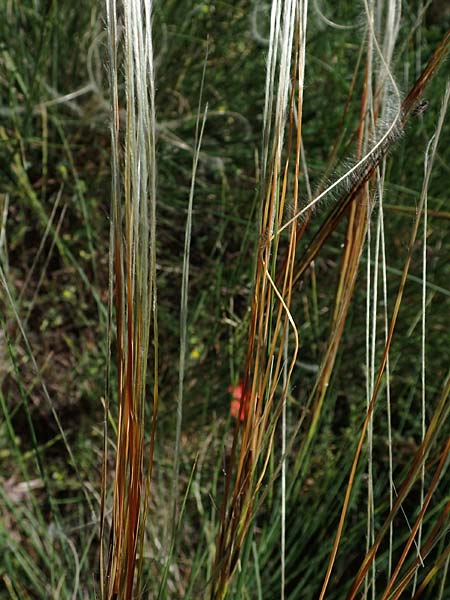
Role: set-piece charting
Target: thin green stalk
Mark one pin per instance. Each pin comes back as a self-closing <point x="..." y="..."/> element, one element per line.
<point x="199" y="130"/>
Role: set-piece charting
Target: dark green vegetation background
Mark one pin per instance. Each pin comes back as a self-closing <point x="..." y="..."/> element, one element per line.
<point x="55" y="196"/>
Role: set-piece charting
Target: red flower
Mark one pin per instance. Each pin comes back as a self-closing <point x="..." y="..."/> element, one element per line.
<point x="239" y="402"/>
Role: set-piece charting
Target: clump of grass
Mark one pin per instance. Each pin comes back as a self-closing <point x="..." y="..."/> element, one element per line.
<point x="332" y="483"/>
<point x="264" y="356"/>
<point x="133" y="295"/>
<point x="270" y="318"/>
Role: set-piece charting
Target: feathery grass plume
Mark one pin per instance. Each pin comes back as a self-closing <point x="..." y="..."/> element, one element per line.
<point x="437" y="422"/>
<point x="133" y="292"/>
<point x="262" y="400"/>
<point x="363" y="170"/>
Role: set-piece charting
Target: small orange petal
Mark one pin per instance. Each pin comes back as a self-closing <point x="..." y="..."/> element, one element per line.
<point x="234" y="408"/>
